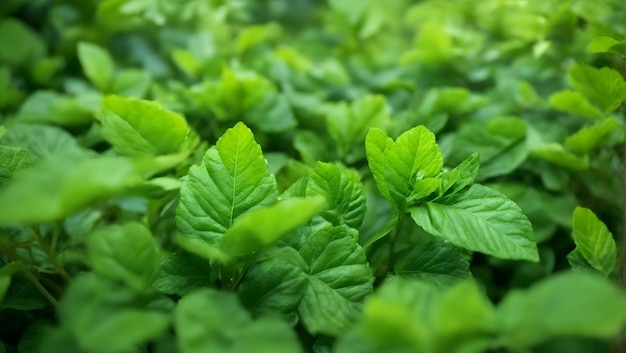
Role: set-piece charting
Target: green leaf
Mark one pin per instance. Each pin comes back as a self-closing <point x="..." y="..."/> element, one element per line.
<point x="592" y="137"/>
<point x="5" y="282"/>
<point x="131" y="83"/>
<point x="567" y="304"/>
<point x="576" y="103"/>
<point x="54" y="108"/>
<point x="604" y="44"/>
<point x="326" y="280"/>
<point x="103" y="317"/>
<point x="435" y="262"/>
<point x="19" y="44"/>
<point x="343" y="190"/>
<point x="603" y="87"/>
<point x="554" y="153"/>
<point x="62" y="185"/>
<point x="348" y="125"/>
<point x="233" y="179"/>
<point x="127" y="253"/>
<point x="182" y="272"/>
<point x="41" y="140"/>
<point x="137" y="127"/>
<point x="97" y="65"/>
<point x="398" y="166"/>
<point x="259" y="229"/>
<point x="480" y="219"/>
<point x="463" y="175"/>
<point x="594" y="241"/>
<point x="209" y="321"/>
<point x="200" y="248"/>
<point x="578" y="263"/>
<point x="12" y="159"/>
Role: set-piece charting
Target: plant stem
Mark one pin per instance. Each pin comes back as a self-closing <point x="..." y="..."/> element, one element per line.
<point x="51" y="251"/>
<point x="391" y="259"/>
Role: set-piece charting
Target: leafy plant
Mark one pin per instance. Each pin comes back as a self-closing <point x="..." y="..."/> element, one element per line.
<point x="340" y="176"/>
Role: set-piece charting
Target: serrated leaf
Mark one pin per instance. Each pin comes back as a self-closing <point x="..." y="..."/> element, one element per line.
<point x="214" y="322"/>
<point x="12" y="159"/>
<point x="138" y="127"/>
<point x="576" y="103"/>
<point x="97" y="65"/>
<point x="593" y="137"/>
<point x="556" y="154"/>
<point x="604" y="87"/>
<point x="182" y="272"/>
<point x="233" y="179"/>
<point x="59" y="186"/>
<point x="343" y="191"/>
<point x="480" y="219"/>
<point x="259" y="229"/>
<point x="459" y="177"/>
<point x="41" y="140"/>
<point x="435" y="262"/>
<point x="349" y="124"/>
<point x="594" y="241"/>
<point x="565" y="305"/>
<point x="126" y="252"/>
<point x="604" y="44"/>
<point x="398" y="165"/>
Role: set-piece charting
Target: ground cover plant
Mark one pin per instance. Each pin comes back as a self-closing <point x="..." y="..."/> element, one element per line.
<point x="341" y="176"/>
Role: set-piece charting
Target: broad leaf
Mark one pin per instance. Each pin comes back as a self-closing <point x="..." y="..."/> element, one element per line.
<point x="604" y="87"/>
<point x="232" y="180"/>
<point x="576" y="103"/>
<point x="127" y="253"/>
<point x="54" y="108"/>
<point x="568" y="304"/>
<point x="41" y="140"/>
<point x="594" y="241"/>
<point x="480" y="219"/>
<point x="343" y="190"/>
<point x="259" y="229"/>
<point x="97" y="65"/>
<point x="137" y="127"/>
<point x="593" y="137"/>
<point x="398" y="165"/>
<point x="182" y="272"/>
<point x="12" y="159"/>
<point x="208" y="321"/>
<point x="604" y="44"/>
<point x="435" y="262"/>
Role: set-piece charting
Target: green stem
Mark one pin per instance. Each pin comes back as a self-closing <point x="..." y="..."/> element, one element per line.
<point x="392" y="243"/>
<point x="51" y="251"/>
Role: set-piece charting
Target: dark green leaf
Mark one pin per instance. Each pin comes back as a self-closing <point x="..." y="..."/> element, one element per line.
<point x="182" y="272"/>
<point x="604" y="87"/>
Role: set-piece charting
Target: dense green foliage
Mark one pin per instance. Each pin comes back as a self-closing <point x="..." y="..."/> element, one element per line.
<point x="343" y="176"/>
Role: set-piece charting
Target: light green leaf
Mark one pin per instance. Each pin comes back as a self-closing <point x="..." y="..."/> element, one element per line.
<point x="41" y="140"/>
<point x="137" y="127"/>
<point x="233" y="179"/>
<point x="343" y="190"/>
<point x="554" y="153"/>
<point x="435" y="262"/>
<point x="593" y="137"/>
<point x="604" y="44"/>
<point x="182" y="272"/>
<point x="398" y="166"/>
<point x="208" y="321"/>
<point x="97" y="65"/>
<point x="201" y="248"/>
<point x="131" y="83"/>
<point x="480" y="219"/>
<point x="578" y="263"/>
<point x="59" y="186"/>
<point x="19" y="44"/>
<point x="12" y="159"/>
<point x="103" y="317"/>
<point x="567" y="304"/>
<point x="574" y="102"/>
<point x="463" y="175"/>
<point x="594" y="241"/>
<point x="52" y="107"/>
<point x="603" y="87"/>
<point x="348" y="125"/>
<point x="127" y="253"/>
<point x="259" y="229"/>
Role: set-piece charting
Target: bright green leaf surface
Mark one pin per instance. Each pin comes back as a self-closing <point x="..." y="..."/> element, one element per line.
<point x="459" y="177"/>
<point x="603" y="44"/>
<point x="41" y="140"/>
<point x="594" y="241"/>
<point x="604" y="87"/>
<point x="261" y="228"/>
<point x="97" y="65"/>
<point x="51" y="107"/>
<point x="343" y="191"/>
<point x="592" y="137"/>
<point x="567" y="304"/>
<point x="136" y="127"/>
<point x="209" y="321"/>
<point x="480" y="219"/>
<point x="12" y="159"/>
<point x="554" y="153"/>
<point x="574" y="102"/>
<point x="127" y="253"/>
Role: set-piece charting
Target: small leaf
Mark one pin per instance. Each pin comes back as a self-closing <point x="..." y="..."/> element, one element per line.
<point x="19" y="44"/>
<point x="435" y="262"/>
<point x="12" y="159"/>
<point x="592" y="137"/>
<point x="576" y="103"/>
<point x="604" y="87"/>
<point x="604" y="44"/>
<point x="258" y="229"/>
<point x="125" y="252"/>
<point x="480" y="219"/>
<point x="41" y="140"/>
<point x="343" y="191"/>
<point x="463" y="175"/>
<point x="554" y="153"/>
<point x="137" y="127"/>
<point x="564" y="305"/>
<point x="208" y="321"/>
<point x="594" y="241"/>
<point x="97" y="65"/>
<point x="182" y="272"/>
<point x="233" y="179"/>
